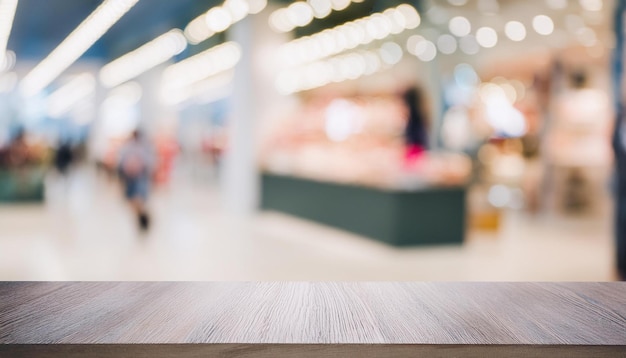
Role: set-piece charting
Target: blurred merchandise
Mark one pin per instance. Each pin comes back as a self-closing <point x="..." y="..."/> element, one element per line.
<point x="23" y="164"/>
<point x="357" y="140"/>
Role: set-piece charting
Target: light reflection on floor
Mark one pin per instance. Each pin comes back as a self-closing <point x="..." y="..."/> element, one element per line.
<point x="85" y="232"/>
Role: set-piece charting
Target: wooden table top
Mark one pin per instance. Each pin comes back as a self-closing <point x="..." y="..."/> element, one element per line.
<point x="378" y="315"/>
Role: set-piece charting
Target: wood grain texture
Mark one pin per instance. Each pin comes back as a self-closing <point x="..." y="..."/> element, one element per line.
<point x="312" y="319"/>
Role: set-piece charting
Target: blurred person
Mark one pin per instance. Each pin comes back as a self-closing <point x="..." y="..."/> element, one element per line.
<point x="415" y="134"/>
<point x="63" y="157"/>
<point x="135" y="166"/>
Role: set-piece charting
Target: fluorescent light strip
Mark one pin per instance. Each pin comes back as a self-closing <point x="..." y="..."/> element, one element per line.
<point x="205" y="64"/>
<point x="76" y="43"/>
<point x="204" y="91"/>
<point x="350" y="66"/>
<point x="301" y="13"/>
<point x="350" y="35"/>
<point x="124" y="95"/>
<point x="66" y="97"/>
<point x="220" y="18"/>
<point x="142" y="59"/>
<point x="7" y="14"/>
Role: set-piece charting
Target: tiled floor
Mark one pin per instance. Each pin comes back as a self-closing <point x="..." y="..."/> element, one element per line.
<point x="86" y="232"/>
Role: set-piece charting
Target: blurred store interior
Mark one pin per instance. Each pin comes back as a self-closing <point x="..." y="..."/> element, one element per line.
<point x="308" y="140"/>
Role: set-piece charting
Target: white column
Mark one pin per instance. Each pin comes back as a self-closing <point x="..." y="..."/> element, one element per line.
<point x="254" y="102"/>
<point x="433" y="92"/>
<point x="239" y="182"/>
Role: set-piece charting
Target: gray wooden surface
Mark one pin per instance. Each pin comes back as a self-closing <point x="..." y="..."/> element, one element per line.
<point x="379" y="319"/>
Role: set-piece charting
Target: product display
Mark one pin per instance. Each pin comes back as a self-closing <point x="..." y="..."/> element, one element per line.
<point x="356" y="140"/>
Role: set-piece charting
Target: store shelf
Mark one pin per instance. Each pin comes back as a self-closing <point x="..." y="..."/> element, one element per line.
<point x="311" y="319"/>
<point x="429" y="215"/>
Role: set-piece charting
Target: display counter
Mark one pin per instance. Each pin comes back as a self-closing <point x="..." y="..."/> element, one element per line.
<point x="22" y="184"/>
<point x="423" y="215"/>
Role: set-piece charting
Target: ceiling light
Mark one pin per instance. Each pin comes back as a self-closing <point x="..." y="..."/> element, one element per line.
<point x="238" y="9"/>
<point x="339" y="5"/>
<point x="446" y="44"/>
<point x="205" y="91"/>
<point x="280" y="22"/>
<point x="8" y="62"/>
<point x="7" y="14"/>
<point x="396" y="20"/>
<point x="412" y="42"/>
<point x="372" y="63"/>
<point x="457" y="2"/>
<point x="411" y="16"/>
<point x="64" y="98"/>
<point x="557" y="4"/>
<point x="198" y="31"/>
<point x="256" y="6"/>
<point x="460" y="26"/>
<point x="300" y="13"/>
<point x="437" y="15"/>
<point x="205" y="64"/>
<point x="391" y="53"/>
<point x="127" y="94"/>
<point x="587" y="36"/>
<point x="469" y="45"/>
<point x="76" y="43"/>
<point x="379" y="26"/>
<point x="591" y="5"/>
<point x="515" y="30"/>
<point x="487" y="37"/>
<point x="218" y="19"/>
<point x="337" y="69"/>
<point x="543" y="25"/>
<point x="347" y="36"/>
<point x="144" y="58"/>
<point x="573" y="23"/>
<point x="321" y="8"/>
<point x="425" y="50"/>
<point x="465" y="76"/>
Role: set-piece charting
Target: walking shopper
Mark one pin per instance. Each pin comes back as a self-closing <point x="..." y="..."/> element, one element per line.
<point x="136" y="165"/>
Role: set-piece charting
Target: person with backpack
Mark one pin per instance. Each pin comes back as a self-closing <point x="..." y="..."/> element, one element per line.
<point x="135" y="166"/>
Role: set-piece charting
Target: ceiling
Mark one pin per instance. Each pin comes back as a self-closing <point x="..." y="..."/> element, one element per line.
<point x="40" y="25"/>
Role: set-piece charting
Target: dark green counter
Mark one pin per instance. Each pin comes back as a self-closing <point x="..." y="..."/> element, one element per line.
<point x="425" y="216"/>
<point x="22" y="185"/>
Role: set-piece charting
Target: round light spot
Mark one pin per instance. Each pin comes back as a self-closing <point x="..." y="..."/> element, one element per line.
<point x="446" y="44"/>
<point x="587" y="37"/>
<point x="487" y="37"/>
<point x="515" y="30"/>
<point x="426" y="51"/>
<point x="591" y="5"/>
<point x="391" y="53"/>
<point x="300" y="13"/>
<point x="469" y="45"/>
<point x="411" y="17"/>
<point x="460" y="26"/>
<point x="543" y="25"/>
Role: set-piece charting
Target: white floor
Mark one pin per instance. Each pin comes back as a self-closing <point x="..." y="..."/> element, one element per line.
<point x="86" y="232"/>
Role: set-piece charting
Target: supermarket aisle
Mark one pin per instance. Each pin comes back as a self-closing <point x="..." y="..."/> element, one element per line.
<point x="85" y="232"/>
